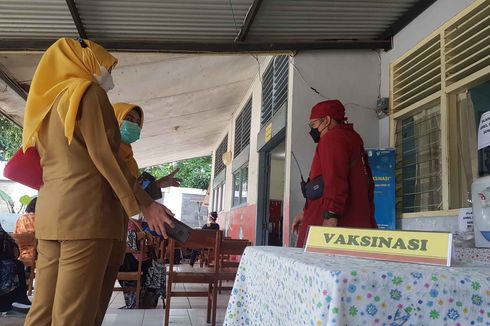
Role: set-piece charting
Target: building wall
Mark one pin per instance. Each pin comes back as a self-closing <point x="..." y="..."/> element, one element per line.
<point x="240" y="222"/>
<point x="352" y="77"/>
<point x="183" y="203"/>
<point x="430" y="20"/>
<point x="357" y="78"/>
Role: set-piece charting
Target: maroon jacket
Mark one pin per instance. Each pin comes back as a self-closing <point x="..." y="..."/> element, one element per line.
<point x="348" y="183"/>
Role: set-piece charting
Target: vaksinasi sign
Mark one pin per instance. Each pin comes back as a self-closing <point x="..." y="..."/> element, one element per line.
<point x="434" y="248"/>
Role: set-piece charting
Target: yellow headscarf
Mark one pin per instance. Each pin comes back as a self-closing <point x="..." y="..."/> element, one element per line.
<point x="125" y="150"/>
<point x="66" y="70"/>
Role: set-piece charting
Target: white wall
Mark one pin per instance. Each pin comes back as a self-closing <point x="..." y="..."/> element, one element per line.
<point x="350" y="76"/>
<point x="254" y="91"/>
<point x="173" y="198"/>
<point x="430" y="20"/>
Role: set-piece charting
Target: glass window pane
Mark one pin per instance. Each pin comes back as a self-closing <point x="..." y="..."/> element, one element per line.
<point x="221" y="205"/>
<point x="215" y="199"/>
<point x="236" y="188"/>
<point x="466" y="162"/>
<point x="419" y="161"/>
<point x="244" y="185"/>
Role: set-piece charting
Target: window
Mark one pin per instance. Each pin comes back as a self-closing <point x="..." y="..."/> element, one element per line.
<point x="242" y="129"/>
<point x="240" y="186"/>
<point x="219" y="165"/>
<point x="274" y="88"/>
<point x="439" y="90"/>
<point x="218" y="195"/>
<point x="417" y="141"/>
<point x="466" y="162"/>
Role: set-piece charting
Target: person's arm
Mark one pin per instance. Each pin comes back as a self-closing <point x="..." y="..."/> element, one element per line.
<point x="334" y="160"/>
<point x="98" y="128"/>
<point x="143" y="198"/>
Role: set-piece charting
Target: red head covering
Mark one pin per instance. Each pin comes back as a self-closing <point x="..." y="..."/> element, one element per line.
<point x="332" y="108"/>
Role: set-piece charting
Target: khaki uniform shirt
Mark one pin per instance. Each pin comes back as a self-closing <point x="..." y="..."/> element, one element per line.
<point x="86" y="194"/>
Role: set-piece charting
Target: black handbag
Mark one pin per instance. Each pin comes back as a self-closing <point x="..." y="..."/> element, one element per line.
<point x="313" y="189"/>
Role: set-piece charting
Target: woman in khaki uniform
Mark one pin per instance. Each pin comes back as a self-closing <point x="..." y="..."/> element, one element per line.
<point x="82" y="207"/>
<point x="130" y="116"/>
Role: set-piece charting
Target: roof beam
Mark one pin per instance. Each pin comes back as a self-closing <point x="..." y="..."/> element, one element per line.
<point x="406" y="18"/>
<point x="11" y="82"/>
<point x="76" y="18"/>
<point x="249" y="19"/>
<point x="201" y="47"/>
<point x="9" y="118"/>
<point x="9" y="79"/>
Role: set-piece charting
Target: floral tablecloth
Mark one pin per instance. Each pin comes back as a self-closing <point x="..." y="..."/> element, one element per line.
<point x="286" y="286"/>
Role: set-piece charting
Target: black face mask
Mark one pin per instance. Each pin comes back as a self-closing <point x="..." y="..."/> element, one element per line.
<point x="315" y="134"/>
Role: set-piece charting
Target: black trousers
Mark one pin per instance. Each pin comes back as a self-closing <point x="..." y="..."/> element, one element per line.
<point x="19" y="294"/>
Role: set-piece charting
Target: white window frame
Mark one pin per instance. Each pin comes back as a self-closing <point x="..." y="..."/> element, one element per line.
<point x="443" y="96"/>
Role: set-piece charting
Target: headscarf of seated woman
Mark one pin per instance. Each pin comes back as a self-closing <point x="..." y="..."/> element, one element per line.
<point x="125" y="150"/>
<point x="66" y="70"/>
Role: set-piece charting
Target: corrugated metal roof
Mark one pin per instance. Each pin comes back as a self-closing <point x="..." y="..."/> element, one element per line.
<point x="35" y="19"/>
<point x="182" y="20"/>
<point x="315" y="20"/>
<point x="201" y="20"/>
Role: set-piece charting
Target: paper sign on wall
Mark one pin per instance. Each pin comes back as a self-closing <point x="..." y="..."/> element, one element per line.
<point x="268" y="132"/>
<point x="484" y="131"/>
<point x="465" y="219"/>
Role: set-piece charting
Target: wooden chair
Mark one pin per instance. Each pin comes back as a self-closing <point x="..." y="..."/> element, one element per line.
<point x="136" y="275"/>
<point x="26" y="240"/>
<point x="199" y="239"/>
<point x="229" y="268"/>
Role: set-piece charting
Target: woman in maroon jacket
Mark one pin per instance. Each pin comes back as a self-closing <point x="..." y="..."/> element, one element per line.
<point x="341" y="188"/>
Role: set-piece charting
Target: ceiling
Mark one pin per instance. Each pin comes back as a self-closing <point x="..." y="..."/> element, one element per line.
<point x="188" y="99"/>
<point x="187" y="63"/>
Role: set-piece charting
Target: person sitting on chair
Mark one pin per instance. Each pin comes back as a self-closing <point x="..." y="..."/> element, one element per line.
<point x="211" y="225"/>
<point x="24" y="225"/>
<point x="13" y="291"/>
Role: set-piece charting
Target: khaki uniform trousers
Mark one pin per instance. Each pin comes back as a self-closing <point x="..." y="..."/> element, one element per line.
<point x="74" y="281"/>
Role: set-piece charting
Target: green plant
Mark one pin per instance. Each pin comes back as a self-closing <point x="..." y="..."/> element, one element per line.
<point x="24" y="201"/>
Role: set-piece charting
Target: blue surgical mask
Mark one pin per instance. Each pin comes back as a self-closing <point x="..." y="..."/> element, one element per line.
<point x="130" y="132"/>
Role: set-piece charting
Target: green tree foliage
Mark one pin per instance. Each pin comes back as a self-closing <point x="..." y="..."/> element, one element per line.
<point x="195" y="173"/>
<point x="10" y="138"/>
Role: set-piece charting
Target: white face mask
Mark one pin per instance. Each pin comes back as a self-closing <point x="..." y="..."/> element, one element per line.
<point x="105" y="79"/>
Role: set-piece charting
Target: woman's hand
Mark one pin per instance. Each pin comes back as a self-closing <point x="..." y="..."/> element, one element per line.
<point x="169" y="180"/>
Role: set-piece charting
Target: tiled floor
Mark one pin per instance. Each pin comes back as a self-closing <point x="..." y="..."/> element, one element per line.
<point x="184" y="311"/>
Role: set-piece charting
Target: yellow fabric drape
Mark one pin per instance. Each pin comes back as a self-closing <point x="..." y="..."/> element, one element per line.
<point x="125" y="150"/>
<point x="66" y="71"/>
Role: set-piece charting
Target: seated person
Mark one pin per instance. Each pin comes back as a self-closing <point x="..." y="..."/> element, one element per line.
<point x="13" y="291"/>
<point x="25" y="224"/>
<point x="153" y="281"/>
<point x="211" y="225"/>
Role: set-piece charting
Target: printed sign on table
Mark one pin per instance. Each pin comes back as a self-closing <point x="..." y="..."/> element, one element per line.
<point x="432" y="248"/>
<point x="465" y="219"/>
